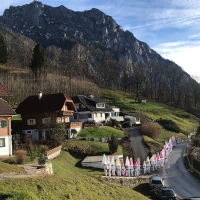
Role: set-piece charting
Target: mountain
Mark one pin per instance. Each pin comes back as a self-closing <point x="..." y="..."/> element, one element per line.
<point x="64" y="28"/>
<point x="90" y="45"/>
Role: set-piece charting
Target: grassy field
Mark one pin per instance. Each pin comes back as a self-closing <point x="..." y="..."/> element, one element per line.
<point x="68" y="182"/>
<point x="102" y="131"/>
<point x="188" y="123"/>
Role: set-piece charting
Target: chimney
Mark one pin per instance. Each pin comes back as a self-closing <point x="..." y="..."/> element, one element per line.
<point x="39" y="95"/>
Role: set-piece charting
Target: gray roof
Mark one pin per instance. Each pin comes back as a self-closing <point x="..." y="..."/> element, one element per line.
<point x="90" y="103"/>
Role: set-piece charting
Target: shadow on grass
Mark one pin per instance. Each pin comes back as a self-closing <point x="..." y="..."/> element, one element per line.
<point x="143" y="188"/>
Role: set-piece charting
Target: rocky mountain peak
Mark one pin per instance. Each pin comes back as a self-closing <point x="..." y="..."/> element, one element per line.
<point x="59" y="25"/>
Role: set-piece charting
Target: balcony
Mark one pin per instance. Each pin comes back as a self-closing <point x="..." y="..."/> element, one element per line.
<point x="65" y="113"/>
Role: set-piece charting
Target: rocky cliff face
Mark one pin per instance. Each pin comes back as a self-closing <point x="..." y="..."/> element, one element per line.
<point x="63" y="27"/>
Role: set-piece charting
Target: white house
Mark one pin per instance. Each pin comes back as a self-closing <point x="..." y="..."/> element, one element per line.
<point x="90" y="109"/>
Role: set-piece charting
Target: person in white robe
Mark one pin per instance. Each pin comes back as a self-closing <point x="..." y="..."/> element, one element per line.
<point x="118" y="167"/>
<point x="144" y="167"/>
<point x="113" y="166"/>
<point x="123" y="169"/>
<point x="148" y="165"/>
<point x="131" y="167"/>
<point x="127" y="165"/>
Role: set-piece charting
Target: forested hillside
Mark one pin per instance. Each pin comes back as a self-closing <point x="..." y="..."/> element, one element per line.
<point x="79" y="64"/>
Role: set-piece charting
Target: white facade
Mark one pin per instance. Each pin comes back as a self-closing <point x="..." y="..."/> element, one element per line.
<point x="115" y="114"/>
<point x="6" y="150"/>
<point x="87" y="116"/>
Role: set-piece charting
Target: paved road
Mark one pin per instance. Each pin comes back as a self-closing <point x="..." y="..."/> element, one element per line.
<point x="140" y="149"/>
<point x="176" y="175"/>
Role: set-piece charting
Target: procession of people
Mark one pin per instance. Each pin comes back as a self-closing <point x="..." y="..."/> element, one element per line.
<point x="117" y="167"/>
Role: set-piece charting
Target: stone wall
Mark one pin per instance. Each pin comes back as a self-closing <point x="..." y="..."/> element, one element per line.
<point x="53" y="152"/>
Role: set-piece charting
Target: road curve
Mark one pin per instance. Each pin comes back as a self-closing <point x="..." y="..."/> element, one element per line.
<point x="176" y="175"/>
<point x="139" y="147"/>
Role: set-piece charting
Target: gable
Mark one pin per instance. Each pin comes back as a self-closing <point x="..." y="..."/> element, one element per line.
<point x="3" y="91"/>
<point x="5" y="109"/>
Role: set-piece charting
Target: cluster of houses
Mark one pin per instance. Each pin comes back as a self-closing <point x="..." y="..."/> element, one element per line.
<point x="39" y="110"/>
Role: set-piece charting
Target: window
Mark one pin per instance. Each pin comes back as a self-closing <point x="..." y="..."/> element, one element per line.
<point x="2" y="142"/>
<point x="100" y="105"/>
<point x="46" y="120"/>
<point x="31" y="121"/>
<point x="59" y="120"/>
<point x="66" y="119"/>
<point x="3" y="123"/>
<point x="75" y="116"/>
<point x="65" y="107"/>
<point x="100" y="114"/>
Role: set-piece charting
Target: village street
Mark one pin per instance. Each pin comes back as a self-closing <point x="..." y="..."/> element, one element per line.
<point x="139" y="148"/>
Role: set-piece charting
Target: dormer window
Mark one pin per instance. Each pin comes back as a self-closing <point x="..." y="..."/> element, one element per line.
<point x="100" y="105"/>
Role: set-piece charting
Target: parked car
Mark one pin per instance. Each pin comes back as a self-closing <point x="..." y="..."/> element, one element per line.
<point x="156" y="181"/>
<point x="163" y="193"/>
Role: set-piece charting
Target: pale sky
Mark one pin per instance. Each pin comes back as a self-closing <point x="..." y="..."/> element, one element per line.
<point x="170" y="27"/>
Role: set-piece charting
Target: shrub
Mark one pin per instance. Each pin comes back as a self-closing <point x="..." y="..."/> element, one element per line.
<point x="113" y="144"/>
<point x="33" y="152"/>
<point x="43" y="149"/>
<point x="114" y="122"/>
<point x="150" y="130"/>
<point x="20" y="156"/>
<point x="169" y="125"/>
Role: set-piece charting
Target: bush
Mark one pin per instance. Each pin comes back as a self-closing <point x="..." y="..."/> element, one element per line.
<point x="150" y="130"/>
<point x="20" y="156"/>
<point x="113" y="144"/>
<point x="33" y="152"/>
<point x="169" y="125"/>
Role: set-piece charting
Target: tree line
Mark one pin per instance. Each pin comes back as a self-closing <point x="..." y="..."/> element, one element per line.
<point x="81" y="69"/>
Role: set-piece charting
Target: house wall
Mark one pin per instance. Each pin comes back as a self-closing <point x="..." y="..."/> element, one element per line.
<point x="7" y="150"/>
<point x="6" y="130"/>
<point x="38" y="130"/>
<point x="98" y="117"/>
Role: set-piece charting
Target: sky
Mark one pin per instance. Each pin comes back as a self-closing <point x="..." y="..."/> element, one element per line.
<point x="170" y="27"/>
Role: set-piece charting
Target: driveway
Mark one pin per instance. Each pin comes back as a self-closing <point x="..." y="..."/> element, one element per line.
<point x="139" y="147"/>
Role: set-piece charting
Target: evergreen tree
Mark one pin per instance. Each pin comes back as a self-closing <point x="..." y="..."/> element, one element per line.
<point x="113" y="144"/>
<point x="3" y="50"/>
<point x="39" y="61"/>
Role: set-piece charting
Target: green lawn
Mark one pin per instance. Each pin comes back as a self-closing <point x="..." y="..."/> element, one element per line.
<point x="155" y="110"/>
<point x="68" y="182"/>
<point x="102" y="131"/>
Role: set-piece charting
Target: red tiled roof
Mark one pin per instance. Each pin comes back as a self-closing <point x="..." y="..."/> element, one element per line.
<point x="5" y="109"/>
<point x="3" y="91"/>
<point x="47" y="103"/>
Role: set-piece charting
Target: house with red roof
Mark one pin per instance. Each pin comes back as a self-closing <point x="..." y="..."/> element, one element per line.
<point x="38" y="111"/>
<point x="6" y="113"/>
